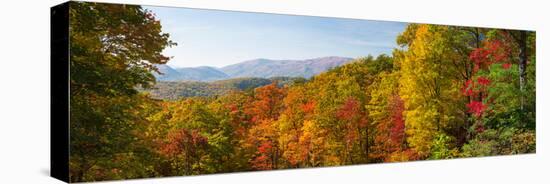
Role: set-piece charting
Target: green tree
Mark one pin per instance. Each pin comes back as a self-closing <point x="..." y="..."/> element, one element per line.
<point x="113" y="50"/>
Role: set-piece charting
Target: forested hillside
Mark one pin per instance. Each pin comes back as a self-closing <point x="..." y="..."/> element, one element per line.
<point x="173" y="90"/>
<point x="445" y="92"/>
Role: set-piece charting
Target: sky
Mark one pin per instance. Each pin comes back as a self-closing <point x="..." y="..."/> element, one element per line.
<point x="221" y="38"/>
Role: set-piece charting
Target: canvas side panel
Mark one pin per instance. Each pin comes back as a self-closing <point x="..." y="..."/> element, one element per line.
<point x="59" y="88"/>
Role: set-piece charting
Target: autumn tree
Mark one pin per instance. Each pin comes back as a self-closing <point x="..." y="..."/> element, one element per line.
<point x="298" y="109"/>
<point x="312" y="145"/>
<point x="340" y="97"/>
<point x="184" y="147"/>
<point x="113" y="50"/>
<point x="267" y="103"/>
<point x="522" y="40"/>
<point x="427" y="85"/>
<point x="234" y="123"/>
<point x="263" y="135"/>
<point x="386" y="110"/>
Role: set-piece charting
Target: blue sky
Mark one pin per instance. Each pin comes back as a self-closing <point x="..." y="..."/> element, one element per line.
<point x="220" y="38"/>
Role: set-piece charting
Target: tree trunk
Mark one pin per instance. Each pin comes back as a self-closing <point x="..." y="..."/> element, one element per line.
<point x="522" y="43"/>
<point x="367" y="144"/>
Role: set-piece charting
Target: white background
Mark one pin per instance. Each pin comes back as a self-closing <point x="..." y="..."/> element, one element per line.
<point x="24" y="91"/>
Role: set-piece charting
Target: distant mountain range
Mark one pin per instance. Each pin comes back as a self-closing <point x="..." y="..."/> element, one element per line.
<point x="259" y="68"/>
<point x="203" y="73"/>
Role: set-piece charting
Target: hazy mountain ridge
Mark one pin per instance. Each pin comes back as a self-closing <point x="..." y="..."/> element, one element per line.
<point x="260" y="68"/>
<point x="290" y="68"/>
<point x="203" y="73"/>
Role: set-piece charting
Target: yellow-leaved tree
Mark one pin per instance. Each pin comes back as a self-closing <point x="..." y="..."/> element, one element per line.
<point x="427" y="85"/>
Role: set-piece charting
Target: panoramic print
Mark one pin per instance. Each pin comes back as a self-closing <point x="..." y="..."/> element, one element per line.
<point x="162" y="91"/>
